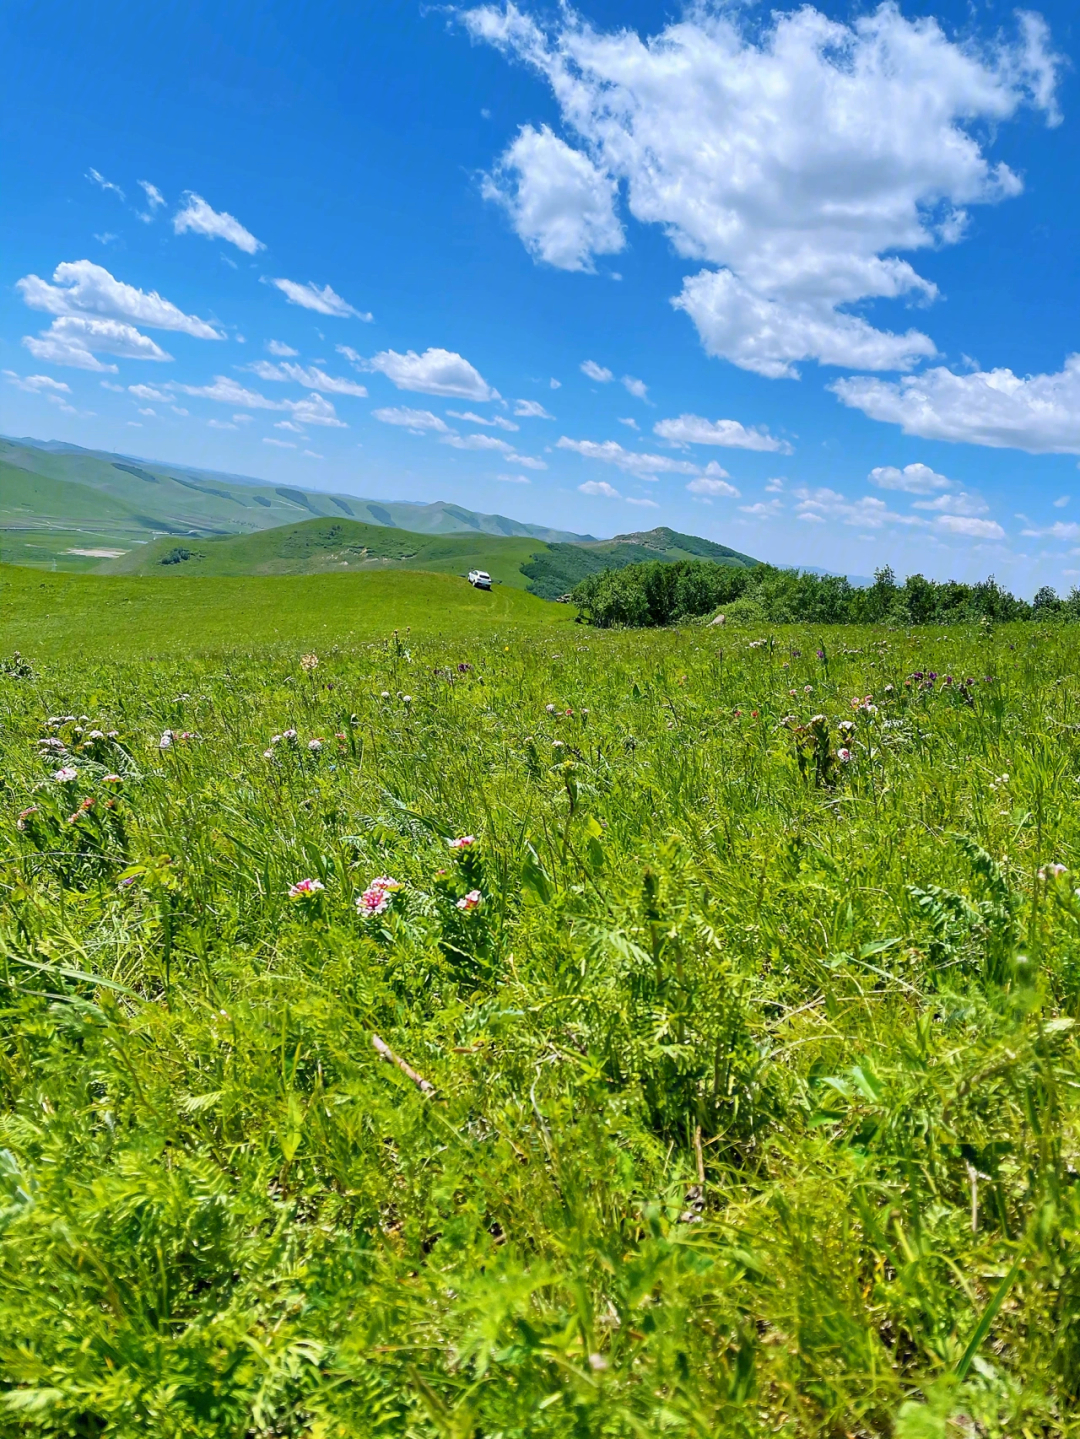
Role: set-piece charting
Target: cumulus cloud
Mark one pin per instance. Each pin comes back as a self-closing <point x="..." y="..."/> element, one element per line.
<point x="311" y="377"/>
<point x="37" y="384"/>
<point x="868" y="512"/>
<point x="416" y="420"/>
<point x="531" y="410"/>
<point x="315" y="410"/>
<point x="220" y="425"/>
<point x="705" y="486"/>
<point x="630" y="423"/>
<point x="514" y="479"/>
<point x="596" y="372"/>
<point x="499" y="422"/>
<point x="958" y="503"/>
<point x="561" y="205"/>
<point x="912" y="479"/>
<point x="147" y="392"/>
<point x="638" y="388"/>
<point x="82" y="288"/>
<point x="280" y="444"/>
<point x="600" y="487"/>
<point x="763" y="509"/>
<point x="73" y="340"/>
<point x="644" y="466"/>
<point x="280" y="348"/>
<point x="198" y="217"/>
<point x="791" y="159"/>
<point x="435" y="372"/>
<point x="645" y="503"/>
<point x="1061" y="530"/>
<point x="996" y="408"/>
<point x="323" y="302"/>
<point x="288" y="425"/>
<point x="974" y="529"/>
<point x="693" y="430"/>
<point x="491" y="442"/>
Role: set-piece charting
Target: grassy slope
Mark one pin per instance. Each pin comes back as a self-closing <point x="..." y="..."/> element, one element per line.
<point x="99" y="616"/>
<point x="320" y="546"/>
<point x="223" y="1214"/>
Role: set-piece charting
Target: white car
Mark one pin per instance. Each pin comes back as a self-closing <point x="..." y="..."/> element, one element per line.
<point x="480" y="579"/>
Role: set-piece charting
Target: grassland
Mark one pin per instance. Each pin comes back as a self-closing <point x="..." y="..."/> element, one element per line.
<point x="726" y="1084"/>
<point x="99" y="617"/>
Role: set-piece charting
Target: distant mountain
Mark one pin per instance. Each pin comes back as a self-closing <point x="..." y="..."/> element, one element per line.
<point x="56" y="498"/>
<point x="858" y="582"/>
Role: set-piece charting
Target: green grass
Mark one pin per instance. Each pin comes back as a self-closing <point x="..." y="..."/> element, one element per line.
<point x="752" y="1104"/>
<point x="100" y="616"/>
<point x="332" y="546"/>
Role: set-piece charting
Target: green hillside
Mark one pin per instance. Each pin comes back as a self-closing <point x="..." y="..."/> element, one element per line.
<point x="117" y="501"/>
<point x="330" y="547"/>
<point x="556" y="569"/>
<point x="119" y="617"/>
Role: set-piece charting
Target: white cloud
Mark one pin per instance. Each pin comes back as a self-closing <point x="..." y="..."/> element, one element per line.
<point x="958" y="503"/>
<point x="638" y="388"/>
<point x="600" y="487"/>
<point x="147" y="411"/>
<point x="1060" y="530"/>
<point x="531" y="410"/>
<point x="200" y="219"/>
<point x="631" y="423"/>
<point x="693" y="430"/>
<point x="792" y="158"/>
<point x="240" y="419"/>
<point x="100" y="179"/>
<point x="314" y="455"/>
<point x="996" y="408"/>
<point x="219" y="425"/>
<point x="415" y="420"/>
<point x="281" y="444"/>
<point x="763" y="509"/>
<point x="596" y="372"/>
<point x="912" y="479"/>
<point x="83" y="288"/>
<point x="154" y="197"/>
<point x="774" y="485"/>
<point x="147" y="392"/>
<point x="72" y="340"/>
<point x="555" y="384"/>
<point x="288" y="425"/>
<point x="179" y="410"/>
<point x="37" y="384"/>
<point x="435" y="372"/>
<point x="514" y="479"/>
<point x="109" y="385"/>
<point x="479" y="442"/>
<point x="498" y="421"/>
<point x="310" y="377"/>
<point x="975" y="529"/>
<point x="649" y="504"/>
<point x="1061" y="502"/>
<point x="324" y="301"/>
<point x="315" y="410"/>
<point x="643" y="465"/>
<point x="559" y="203"/>
<point x="868" y="512"/>
<point x="106" y="237"/>
<point x="280" y="348"/>
<point x="704" y="486"/>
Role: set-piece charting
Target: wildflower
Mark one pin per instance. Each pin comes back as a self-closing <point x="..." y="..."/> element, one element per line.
<point x="386" y="883"/>
<point x="340" y="735"/>
<point x="465" y="841"/>
<point x="385" y="695"/>
<point x="304" y="887"/>
<point x="550" y="709"/>
<point x="753" y="714"/>
<point x="20" y="823"/>
<point x="165" y="742"/>
<point x="821" y="654"/>
<point x="315" y="744"/>
<point x="112" y="779"/>
<point x="470" y="901"/>
<point x="406" y="699"/>
<point x="289" y="735"/>
<point x="793" y="693"/>
<point x="888" y="689"/>
<point x="464" y="668"/>
<point x="1052" y="871"/>
<point x="309" y="662"/>
<point x="96" y="734"/>
<point x="66" y="774"/>
<point x="371" y="902"/>
<point x="113" y="734"/>
<point x="126" y="883"/>
<point x="846" y="727"/>
<point x="268" y="754"/>
<point x="737" y="714"/>
<point x="843" y="755"/>
<point x="808" y="689"/>
<point x="56" y="745"/>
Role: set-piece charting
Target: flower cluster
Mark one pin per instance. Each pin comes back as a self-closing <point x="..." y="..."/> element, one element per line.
<point x="305" y="888"/>
<point x="470" y="901"/>
<point x="376" y="898"/>
<point x="171" y="737"/>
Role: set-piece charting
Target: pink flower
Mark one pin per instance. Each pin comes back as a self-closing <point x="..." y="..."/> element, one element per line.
<point x="466" y="841"/>
<point x="314" y="744"/>
<point x="373" y="901"/>
<point x="1052" y="871"/>
<point x="304" y="887"/>
<point x="20" y="823"/>
<point x="268" y="754"/>
<point x="111" y="779"/>
<point x="289" y="734"/>
<point x="843" y="755"/>
<point x="470" y="901"/>
<point x="165" y="742"/>
<point x="69" y="772"/>
<point x="386" y="884"/>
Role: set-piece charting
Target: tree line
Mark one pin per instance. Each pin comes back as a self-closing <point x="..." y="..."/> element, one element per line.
<point x="661" y="593"/>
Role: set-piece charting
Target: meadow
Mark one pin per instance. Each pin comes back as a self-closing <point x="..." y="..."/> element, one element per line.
<point x="511" y="1028"/>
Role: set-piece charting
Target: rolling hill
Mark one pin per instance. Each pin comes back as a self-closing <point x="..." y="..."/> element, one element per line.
<point x="58" y="499"/>
<point x="325" y="546"/>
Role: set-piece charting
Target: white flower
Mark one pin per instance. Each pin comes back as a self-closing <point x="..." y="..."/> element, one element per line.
<point x="69" y="772"/>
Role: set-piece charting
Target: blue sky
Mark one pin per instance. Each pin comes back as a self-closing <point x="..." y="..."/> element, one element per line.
<point x="819" y="266"/>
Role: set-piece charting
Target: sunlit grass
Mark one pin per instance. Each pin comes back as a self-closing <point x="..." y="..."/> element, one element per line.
<point x="751" y="1084"/>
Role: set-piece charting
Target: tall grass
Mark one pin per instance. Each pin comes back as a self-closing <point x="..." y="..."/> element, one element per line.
<point x="750" y="1097"/>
